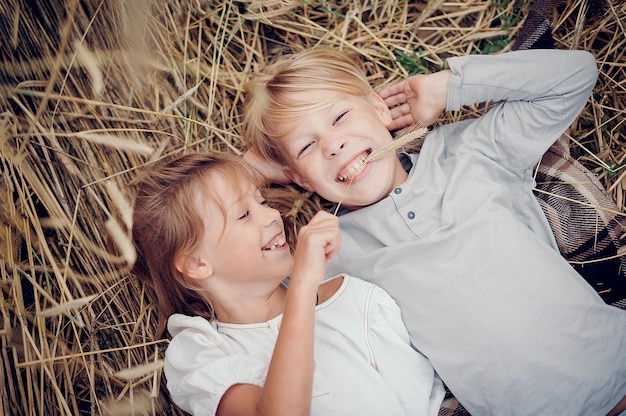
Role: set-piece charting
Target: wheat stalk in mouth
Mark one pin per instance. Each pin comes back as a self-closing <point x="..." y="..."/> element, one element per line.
<point x="412" y="133"/>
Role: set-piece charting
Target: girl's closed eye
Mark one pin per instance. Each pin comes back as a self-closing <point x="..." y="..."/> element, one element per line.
<point x="244" y="214"/>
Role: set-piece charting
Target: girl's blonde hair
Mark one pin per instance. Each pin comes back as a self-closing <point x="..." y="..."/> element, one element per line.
<point x="269" y="101"/>
<point x="166" y="224"/>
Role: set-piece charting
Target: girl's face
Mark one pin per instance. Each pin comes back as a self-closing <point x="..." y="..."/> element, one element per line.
<point x="327" y="149"/>
<point x="246" y="248"/>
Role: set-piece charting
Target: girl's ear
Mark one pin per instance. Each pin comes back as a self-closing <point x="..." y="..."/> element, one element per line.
<point x="381" y="108"/>
<point x="297" y="178"/>
<point x="193" y="267"/>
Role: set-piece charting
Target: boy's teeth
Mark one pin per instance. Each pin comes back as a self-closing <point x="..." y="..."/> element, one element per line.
<point x="352" y="170"/>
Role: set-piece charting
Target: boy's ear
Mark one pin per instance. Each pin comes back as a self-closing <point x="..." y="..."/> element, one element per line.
<point x="193" y="267"/>
<point x="297" y="178"/>
<point x="381" y="109"/>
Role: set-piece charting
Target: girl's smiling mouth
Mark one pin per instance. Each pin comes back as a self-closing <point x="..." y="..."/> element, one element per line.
<point x="354" y="167"/>
<point x="278" y="241"/>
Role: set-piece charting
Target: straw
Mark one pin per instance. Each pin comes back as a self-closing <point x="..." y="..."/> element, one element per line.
<point x="91" y="92"/>
<point x="407" y="136"/>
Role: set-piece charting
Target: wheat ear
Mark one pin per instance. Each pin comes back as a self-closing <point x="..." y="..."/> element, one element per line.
<point x="412" y="133"/>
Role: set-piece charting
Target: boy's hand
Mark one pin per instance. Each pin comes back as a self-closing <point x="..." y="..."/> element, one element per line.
<point x="270" y="172"/>
<point x="419" y="99"/>
<point x="318" y="241"/>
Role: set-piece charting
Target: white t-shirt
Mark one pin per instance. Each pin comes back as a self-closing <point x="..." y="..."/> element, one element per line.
<point x="364" y="363"/>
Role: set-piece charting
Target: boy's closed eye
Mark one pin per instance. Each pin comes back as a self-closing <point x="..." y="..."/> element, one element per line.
<point x="305" y="148"/>
<point x="340" y="117"/>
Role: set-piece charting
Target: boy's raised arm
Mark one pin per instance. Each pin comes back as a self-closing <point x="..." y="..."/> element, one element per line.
<point x="544" y="91"/>
<point x="539" y="94"/>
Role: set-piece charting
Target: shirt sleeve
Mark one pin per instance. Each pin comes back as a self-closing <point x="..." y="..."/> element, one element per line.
<point x="200" y="365"/>
<point x="408" y="372"/>
<point x="540" y="93"/>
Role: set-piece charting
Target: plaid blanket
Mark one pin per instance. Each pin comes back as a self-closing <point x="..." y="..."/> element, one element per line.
<point x="586" y="223"/>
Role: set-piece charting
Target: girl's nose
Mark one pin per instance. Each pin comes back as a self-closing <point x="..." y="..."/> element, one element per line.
<point x="271" y="215"/>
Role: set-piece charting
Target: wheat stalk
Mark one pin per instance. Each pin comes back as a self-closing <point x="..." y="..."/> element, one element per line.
<point x="408" y="135"/>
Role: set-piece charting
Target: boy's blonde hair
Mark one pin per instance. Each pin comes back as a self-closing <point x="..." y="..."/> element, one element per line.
<point x="269" y="101"/>
<point x="167" y="224"/>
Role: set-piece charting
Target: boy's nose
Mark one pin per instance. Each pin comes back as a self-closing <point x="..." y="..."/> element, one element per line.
<point x="332" y="145"/>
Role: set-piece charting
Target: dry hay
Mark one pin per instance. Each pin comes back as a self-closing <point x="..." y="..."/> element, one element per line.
<point x="91" y="91"/>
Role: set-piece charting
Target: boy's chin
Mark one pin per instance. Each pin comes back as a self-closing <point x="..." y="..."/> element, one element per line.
<point x="358" y="203"/>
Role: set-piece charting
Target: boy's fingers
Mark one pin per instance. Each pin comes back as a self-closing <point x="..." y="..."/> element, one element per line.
<point x="395" y="99"/>
<point x="391" y="90"/>
<point x="400" y="111"/>
<point x="401" y="122"/>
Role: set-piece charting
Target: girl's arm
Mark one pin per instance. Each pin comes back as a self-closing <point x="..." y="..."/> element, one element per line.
<point x="270" y="172"/>
<point x="289" y="383"/>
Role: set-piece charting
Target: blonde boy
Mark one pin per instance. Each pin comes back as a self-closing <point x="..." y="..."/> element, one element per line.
<point x="454" y="233"/>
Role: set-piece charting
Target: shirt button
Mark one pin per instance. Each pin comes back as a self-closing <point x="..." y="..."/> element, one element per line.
<point x="397" y="191"/>
<point x="411" y="215"/>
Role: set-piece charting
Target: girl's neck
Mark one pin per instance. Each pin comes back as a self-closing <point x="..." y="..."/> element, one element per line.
<point x="263" y="309"/>
<point x="251" y="310"/>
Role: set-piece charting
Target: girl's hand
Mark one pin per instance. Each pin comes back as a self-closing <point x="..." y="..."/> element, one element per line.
<point x="318" y="241"/>
<point x="418" y="100"/>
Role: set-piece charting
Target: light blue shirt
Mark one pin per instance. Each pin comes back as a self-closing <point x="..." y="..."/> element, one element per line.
<point x="466" y="251"/>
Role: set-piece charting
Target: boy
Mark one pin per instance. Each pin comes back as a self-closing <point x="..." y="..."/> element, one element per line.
<point x="455" y="234"/>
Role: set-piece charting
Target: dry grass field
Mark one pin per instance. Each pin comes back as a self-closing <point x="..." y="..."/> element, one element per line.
<point x="91" y="91"/>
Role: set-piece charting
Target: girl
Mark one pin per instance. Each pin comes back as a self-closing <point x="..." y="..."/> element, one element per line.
<point x="216" y="255"/>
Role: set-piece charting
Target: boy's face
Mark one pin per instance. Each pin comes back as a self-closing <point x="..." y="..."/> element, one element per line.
<point x="327" y="147"/>
<point x="246" y="249"/>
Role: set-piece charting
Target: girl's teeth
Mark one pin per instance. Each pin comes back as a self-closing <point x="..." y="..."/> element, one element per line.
<point x="278" y="243"/>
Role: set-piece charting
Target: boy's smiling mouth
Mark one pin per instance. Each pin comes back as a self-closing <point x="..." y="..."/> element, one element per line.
<point x="354" y="167"/>
<point x="278" y="241"/>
